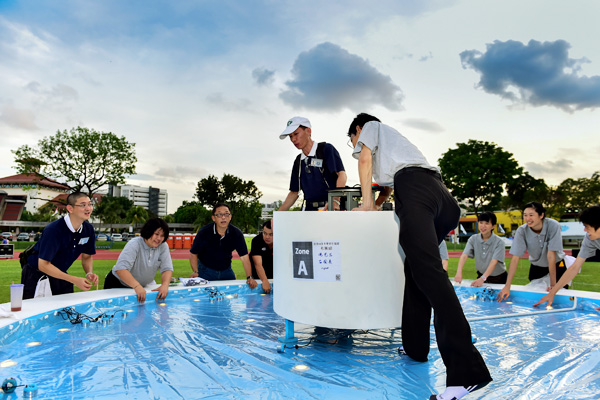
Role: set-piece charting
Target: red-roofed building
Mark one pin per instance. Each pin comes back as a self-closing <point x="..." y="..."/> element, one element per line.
<point x="26" y="192"/>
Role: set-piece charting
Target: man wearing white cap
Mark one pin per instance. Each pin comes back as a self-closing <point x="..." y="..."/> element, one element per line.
<point x="316" y="170"/>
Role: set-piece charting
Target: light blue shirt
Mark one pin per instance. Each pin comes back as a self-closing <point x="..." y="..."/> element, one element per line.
<point x="390" y="150"/>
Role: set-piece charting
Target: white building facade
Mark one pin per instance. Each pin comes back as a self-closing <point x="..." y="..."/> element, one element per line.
<point x="152" y="199"/>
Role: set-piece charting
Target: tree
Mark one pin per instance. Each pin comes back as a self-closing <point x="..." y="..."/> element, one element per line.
<point x="242" y="196"/>
<point x="44" y="214"/>
<point x="524" y="189"/>
<point x="84" y="158"/>
<point x="580" y="193"/>
<point x="136" y="215"/>
<point x="192" y="212"/>
<point x="478" y="172"/>
<point x="113" y="210"/>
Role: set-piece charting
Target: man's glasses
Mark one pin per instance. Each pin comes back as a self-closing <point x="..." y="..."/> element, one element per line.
<point x="226" y="215"/>
<point x="84" y="205"/>
<point x="350" y="142"/>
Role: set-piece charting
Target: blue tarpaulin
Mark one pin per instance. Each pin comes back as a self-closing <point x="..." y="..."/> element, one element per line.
<point x="222" y="343"/>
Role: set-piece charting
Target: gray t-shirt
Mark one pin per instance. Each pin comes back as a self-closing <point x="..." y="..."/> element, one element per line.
<point x="390" y="150"/>
<point x="485" y="251"/>
<point x="444" y="251"/>
<point x="538" y="244"/>
<point x="143" y="261"/>
<point x="589" y="247"/>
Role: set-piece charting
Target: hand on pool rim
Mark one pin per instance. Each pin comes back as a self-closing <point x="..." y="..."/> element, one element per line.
<point x="163" y="291"/>
<point x="140" y="292"/>
<point x="266" y="287"/>
<point x="251" y="282"/>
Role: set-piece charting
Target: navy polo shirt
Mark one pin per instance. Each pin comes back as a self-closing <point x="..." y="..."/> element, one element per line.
<point x="61" y="247"/>
<point x="260" y="248"/>
<point x="214" y="250"/>
<point x="312" y="182"/>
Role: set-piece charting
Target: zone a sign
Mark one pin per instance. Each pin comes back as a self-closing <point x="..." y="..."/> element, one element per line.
<point x="318" y="261"/>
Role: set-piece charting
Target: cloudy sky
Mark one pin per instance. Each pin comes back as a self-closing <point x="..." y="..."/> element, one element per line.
<point x="206" y="87"/>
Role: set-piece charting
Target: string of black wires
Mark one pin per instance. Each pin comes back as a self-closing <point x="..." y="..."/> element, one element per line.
<point x="214" y="293"/>
<point x="75" y="317"/>
<point x="488" y="294"/>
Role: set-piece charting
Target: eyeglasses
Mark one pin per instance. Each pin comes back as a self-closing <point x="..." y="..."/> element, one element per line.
<point x="226" y="215"/>
<point x="350" y="142"/>
<point x="84" y="205"/>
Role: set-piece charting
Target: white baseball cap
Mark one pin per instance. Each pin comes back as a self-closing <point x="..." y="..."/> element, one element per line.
<point x="293" y="124"/>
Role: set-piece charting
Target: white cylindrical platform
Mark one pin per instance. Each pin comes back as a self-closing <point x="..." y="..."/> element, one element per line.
<point x="338" y="269"/>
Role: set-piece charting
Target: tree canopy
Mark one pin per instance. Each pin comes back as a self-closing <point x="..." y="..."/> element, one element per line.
<point x="478" y="172"/>
<point x="137" y="215"/>
<point x="524" y="189"/>
<point x="113" y="210"/>
<point x="192" y="212"/>
<point x="85" y="159"/>
<point x="580" y="193"/>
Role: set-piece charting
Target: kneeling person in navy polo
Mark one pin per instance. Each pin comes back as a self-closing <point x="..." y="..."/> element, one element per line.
<point x="210" y="255"/>
<point x="62" y="242"/>
<point x="261" y="256"/>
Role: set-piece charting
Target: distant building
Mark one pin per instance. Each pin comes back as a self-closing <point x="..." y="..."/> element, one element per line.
<point x="267" y="210"/>
<point x="151" y="198"/>
<point x="26" y="192"/>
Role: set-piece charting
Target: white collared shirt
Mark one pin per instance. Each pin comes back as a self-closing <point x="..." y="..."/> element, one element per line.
<point x="70" y="224"/>
<point x="311" y="153"/>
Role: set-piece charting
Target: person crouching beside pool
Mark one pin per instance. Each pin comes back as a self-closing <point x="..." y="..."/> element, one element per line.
<point x="590" y="217"/>
<point x="541" y="238"/>
<point x="141" y="258"/>
<point x="488" y="251"/>
<point x="210" y="255"/>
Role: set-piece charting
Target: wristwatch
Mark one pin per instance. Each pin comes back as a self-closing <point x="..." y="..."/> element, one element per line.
<point x="248" y="278"/>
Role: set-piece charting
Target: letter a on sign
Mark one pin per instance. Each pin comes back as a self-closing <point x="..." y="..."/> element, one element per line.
<point x="302" y="253"/>
<point x="302" y="269"/>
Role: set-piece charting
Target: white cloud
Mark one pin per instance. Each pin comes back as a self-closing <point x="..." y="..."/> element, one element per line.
<point x="328" y="77"/>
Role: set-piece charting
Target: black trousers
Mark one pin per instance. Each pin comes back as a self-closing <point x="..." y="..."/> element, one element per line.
<point x="427" y="212"/>
<point x="536" y="272"/>
<point x="501" y="279"/>
<point x="30" y="277"/>
<point x="111" y="282"/>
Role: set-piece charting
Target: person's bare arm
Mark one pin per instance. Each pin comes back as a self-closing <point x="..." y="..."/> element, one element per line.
<point x="87" y="262"/>
<point x="567" y="277"/>
<point x="461" y="262"/>
<point x="248" y="270"/>
<point x="194" y="265"/>
<point x="383" y="196"/>
<point x="128" y="279"/>
<point x="289" y="201"/>
<point x="50" y="269"/>
<point x="365" y="173"/>
<point x="260" y="270"/>
<point x="479" y="282"/>
<point x="552" y="268"/>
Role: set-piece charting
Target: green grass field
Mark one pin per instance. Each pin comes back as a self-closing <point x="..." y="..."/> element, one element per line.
<point x="10" y="271"/>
